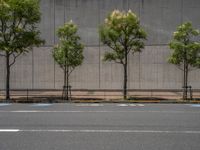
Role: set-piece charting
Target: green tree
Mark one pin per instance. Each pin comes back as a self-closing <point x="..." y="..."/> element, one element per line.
<point x="122" y="33"/>
<point x="18" y="31"/>
<point x="69" y="52"/>
<point x="185" y="51"/>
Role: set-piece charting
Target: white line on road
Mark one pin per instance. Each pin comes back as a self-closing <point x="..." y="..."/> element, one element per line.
<point x="95" y="105"/>
<point x="9" y="130"/>
<point x="42" y="104"/>
<point x="133" y="105"/>
<point x="103" y="131"/>
<point x="195" y="105"/>
<point x="130" y="111"/>
<point x="125" y="105"/>
<point x="4" y="104"/>
<point x="122" y="105"/>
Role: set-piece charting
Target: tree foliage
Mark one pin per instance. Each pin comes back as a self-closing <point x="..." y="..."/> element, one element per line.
<point x="18" y="26"/>
<point x="18" y="31"/>
<point x="122" y="32"/>
<point x="69" y="52"/>
<point x="184" y="47"/>
<point x="185" y="51"/>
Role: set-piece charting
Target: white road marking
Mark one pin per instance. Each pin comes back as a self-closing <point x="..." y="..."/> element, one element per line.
<point x="125" y="105"/>
<point x="195" y="105"/>
<point x="132" y="105"/>
<point x="4" y="104"/>
<point x="82" y="105"/>
<point x="104" y="131"/>
<point x="9" y="130"/>
<point x="42" y="104"/>
<point x="122" y="105"/>
<point x="106" y="111"/>
<point x="95" y="105"/>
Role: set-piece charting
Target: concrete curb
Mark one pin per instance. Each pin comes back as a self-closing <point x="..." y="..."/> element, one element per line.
<point x="137" y="101"/>
<point x="109" y="101"/>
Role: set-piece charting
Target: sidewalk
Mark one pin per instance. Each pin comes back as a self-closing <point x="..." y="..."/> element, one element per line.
<point x="92" y="96"/>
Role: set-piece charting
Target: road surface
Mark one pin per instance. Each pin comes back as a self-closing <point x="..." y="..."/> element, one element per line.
<point x="99" y="127"/>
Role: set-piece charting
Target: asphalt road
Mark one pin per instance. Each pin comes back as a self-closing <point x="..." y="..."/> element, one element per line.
<point x="99" y="127"/>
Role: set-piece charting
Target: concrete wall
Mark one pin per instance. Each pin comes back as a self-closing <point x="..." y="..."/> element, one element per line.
<point x="147" y="70"/>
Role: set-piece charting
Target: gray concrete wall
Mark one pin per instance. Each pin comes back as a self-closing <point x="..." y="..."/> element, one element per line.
<point x="147" y="70"/>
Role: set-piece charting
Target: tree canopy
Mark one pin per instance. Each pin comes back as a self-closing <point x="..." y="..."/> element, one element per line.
<point x="184" y="46"/>
<point x="69" y="52"/>
<point x="185" y="51"/>
<point x="123" y="33"/>
<point x="18" y="26"/>
<point x="18" y="31"/>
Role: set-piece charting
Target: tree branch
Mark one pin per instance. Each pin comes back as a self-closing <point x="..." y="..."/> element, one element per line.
<point x="72" y="69"/>
<point x="121" y="41"/>
<point x="3" y="30"/>
<point x="111" y="47"/>
<point x="15" y="25"/>
<point x="179" y="67"/>
<point x="129" y="49"/>
<point x="118" y="62"/>
<point x="19" y="22"/>
<point x="14" y="58"/>
<point x="12" y="26"/>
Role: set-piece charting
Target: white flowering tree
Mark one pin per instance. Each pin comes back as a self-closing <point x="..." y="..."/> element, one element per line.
<point x="122" y="33"/>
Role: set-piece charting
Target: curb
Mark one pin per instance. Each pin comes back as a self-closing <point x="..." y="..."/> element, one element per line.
<point x="138" y="101"/>
<point x="109" y="101"/>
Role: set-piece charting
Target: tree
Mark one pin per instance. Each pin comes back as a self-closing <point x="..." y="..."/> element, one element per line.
<point x="18" y="31"/>
<point x="122" y="33"/>
<point x="69" y="52"/>
<point x="185" y="51"/>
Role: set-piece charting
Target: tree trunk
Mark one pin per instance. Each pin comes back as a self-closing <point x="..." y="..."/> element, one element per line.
<point x="185" y="81"/>
<point x="67" y="83"/>
<point x="64" y="86"/>
<point x="125" y="83"/>
<point x="7" y="76"/>
<point x="125" y="75"/>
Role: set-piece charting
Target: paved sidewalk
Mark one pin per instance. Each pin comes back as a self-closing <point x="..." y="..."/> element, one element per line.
<point x="99" y="96"/>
